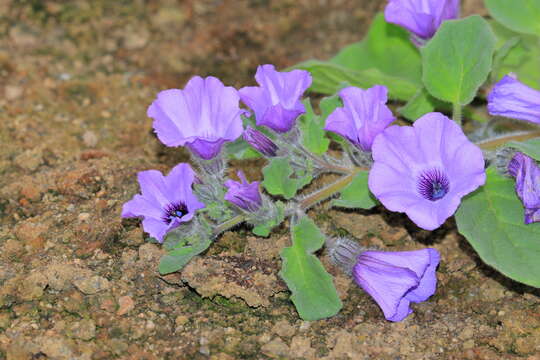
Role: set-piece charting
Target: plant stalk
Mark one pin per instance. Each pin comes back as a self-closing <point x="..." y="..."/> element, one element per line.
<point x="456" y="113"/>
<point x="492" y="144"/>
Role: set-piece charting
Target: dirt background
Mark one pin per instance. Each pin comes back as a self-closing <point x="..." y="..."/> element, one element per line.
<point x="77" y="282"/>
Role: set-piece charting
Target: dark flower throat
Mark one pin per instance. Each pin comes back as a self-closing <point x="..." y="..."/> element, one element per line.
<point x="174" y="210"/>
<point x="433" y="184"/>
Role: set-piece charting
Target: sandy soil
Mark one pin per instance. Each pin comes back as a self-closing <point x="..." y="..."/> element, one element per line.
<point x="77" y="282"/>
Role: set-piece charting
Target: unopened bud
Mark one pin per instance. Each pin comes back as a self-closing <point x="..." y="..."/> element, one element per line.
<point x="260" y="142"/>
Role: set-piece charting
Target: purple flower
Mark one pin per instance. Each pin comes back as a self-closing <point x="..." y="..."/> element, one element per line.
<point x="243" y="194"/>
<point x="527" y="174"/>
<point x="166" y="201"/>
<point x="395" y="279"/>
<point x="276" y="101"/>
<point x="204" y="115"/>
<point x="426" y="169"/>
<point x="363" y="116"/>
<point x="260" y="142"/>
<point x="511" y="98"/>
<point x="421" y="17"/>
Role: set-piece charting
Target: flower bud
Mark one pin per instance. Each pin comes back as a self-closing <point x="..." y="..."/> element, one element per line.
<point x="260" y="142"/>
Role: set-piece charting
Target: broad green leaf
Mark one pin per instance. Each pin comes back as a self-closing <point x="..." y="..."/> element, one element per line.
<point x="328" y="105"/>
<point x="522" y="16"/>
<point x="356" y="194"/>
<point x="328" y="78"/>
<point x="387" y="48"/>
<point x="278" y="179"/>
<point x="457" y="60"/>
<point x="312" y="127"/>
<point x="530" y="147"/>
<point x="491" y="219"/>
<point x="184" y="251"/>
<point x="313" y="292"/>
<point x="240" y="149"/>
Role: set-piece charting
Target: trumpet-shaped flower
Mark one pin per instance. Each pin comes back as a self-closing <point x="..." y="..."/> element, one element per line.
<point x="426" y="169"/>
<point x="165" y="202"/>
<point x="421" y="17"/>
<point x="203" y="116"/>
<point x="276" y="101"/>
<point x="363" y="116"/>
<point x="395" y="279"/>
<point x="513" y="99"/>
<point x="527" y="174"/>
<point x="243" y="194"/>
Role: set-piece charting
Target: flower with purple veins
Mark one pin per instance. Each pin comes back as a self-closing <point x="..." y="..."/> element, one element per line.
<point x="512" y="99"/>
<point x="260" y="142"/>
<point x="363" y="116"/>
<point x="395" y="279"/>
<point x="202" y="116"/>
<point x="421" y="18"/>
<point x="276" y="101"/>
<point x="243" y="194"/>
<point x="527" y="174"/>
<point x="165" y="202"/>
<point x="426" y="169"/>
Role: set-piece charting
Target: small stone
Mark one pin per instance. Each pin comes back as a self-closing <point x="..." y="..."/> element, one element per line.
<point x="84" y="216"/>
<point x="284" y="329"/>
<point x="301" y="348"/>
<point x="90" y="138"/>
<point x="275" y="349"/>
<point x="31" y="192"/>
<point x="5" y="320"/>
<point x="29" y="160"/>
<point x="92" y="285"/>
<point x="32" y="233"/>
<point x="59" y="276"/>
<point x="84" y="329"/>
<point x="31" y="288"/>
<point x="126" y="304"/>
<point x="135" y="40"/>
<point x="181" y="320"/>
<point x="150" y="254"/>
<point x="528" y="344"/>
<point x="13" y="92"/>
<point x="12" y="248"/>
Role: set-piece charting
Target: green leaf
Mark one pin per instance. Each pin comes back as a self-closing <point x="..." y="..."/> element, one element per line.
<point x="263" y="228"/>
<point x="329" y="78"/>
<point x="530" y="147"/>
<point x="387" y="48"/>
<point x="313" y="292"/>
<point x="241" y="150"/>
<point x="312" y="127"/>
<point x="356" y="194"/>
<point x="278" y="180"/>
<point x="521" y="58"/>
<point x="522" y="16"/>
<point x="492" y="221"/>
<point x="420" y="104"/>
<point x="457" y="60"/>
<point x="184" y="251"/>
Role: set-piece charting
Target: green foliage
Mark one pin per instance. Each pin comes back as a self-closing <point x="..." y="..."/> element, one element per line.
<point x="420" y="104"/>
<point x="356" y="194"/>
<point x="312" y="127"/>
<point x="522" y="16"/>
<point x="457" y="60"/>
<point x="182" y="249"/>
<point x="516" y="53"/>
<point x="279" y="178"/>
<point x="263" y="229"/>
<point x="370" y="62"/>
<point x="530" y="147"/>
<point x="313" y="292"/>
<point x="492" y="221"/>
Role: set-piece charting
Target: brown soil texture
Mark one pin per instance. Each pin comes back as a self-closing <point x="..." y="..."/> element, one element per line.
<point x="78" y="282"/>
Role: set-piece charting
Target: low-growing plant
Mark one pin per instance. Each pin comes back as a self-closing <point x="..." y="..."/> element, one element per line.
<point x="477" y="166"/>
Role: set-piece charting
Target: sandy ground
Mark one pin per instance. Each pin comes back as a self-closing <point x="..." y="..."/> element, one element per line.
<point x="77" y="282"/>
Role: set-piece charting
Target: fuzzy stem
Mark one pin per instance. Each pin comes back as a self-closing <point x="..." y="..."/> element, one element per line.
<point x="456" y="113"/>
<point x="330" y="190"/>
<point x="491" y="144"/>
<point x="232" y="222"/>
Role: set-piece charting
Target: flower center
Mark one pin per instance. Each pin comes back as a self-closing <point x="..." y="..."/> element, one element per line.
<point x="433" y="184"/>
<point x="174" y="210"/>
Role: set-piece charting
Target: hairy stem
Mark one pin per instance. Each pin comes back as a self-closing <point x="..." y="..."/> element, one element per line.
<point x="456" y="113"/>
<point x="491" y="144"/>
<point x="224" y="226"/>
